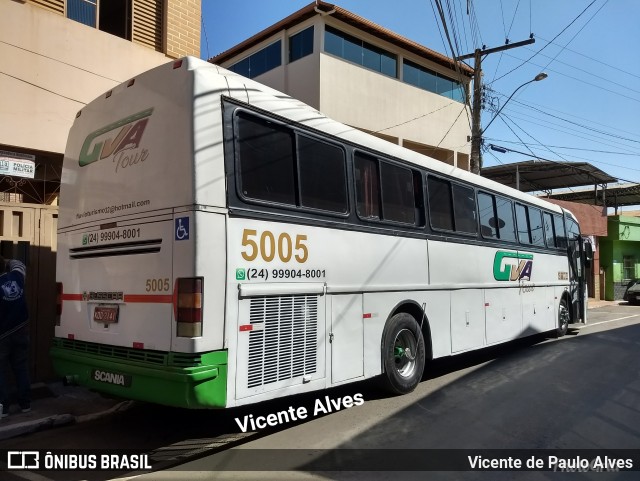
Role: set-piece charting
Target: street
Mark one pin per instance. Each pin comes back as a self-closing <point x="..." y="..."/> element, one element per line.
<point x="578" y="392"/>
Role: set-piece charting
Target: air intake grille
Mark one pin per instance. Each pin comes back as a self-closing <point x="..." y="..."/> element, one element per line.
<point x="283" y="344"/>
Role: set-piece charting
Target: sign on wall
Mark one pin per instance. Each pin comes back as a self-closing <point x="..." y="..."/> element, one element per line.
<point x="17" y="164"/>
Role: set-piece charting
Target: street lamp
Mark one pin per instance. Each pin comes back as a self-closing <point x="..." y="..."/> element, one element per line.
<point x="476" y="129"/>
<point x="537" y="78"/>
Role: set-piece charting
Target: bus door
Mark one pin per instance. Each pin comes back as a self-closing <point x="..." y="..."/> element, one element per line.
<point x="577" y="272"/>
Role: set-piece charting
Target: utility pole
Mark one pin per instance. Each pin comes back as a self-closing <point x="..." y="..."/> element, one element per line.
<point x="476" y="106"/>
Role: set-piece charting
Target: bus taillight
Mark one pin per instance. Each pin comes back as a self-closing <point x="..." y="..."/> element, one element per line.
<point x="58" y="302"/>
<point x="189" y="307"/>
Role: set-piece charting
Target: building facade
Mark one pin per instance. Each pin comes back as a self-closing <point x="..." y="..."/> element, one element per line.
<point x="365" y="76"/>
<point x="58" y="55"/>
<point x="620" y="256"/>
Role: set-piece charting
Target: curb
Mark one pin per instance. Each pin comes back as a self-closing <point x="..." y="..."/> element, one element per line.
<point x="121" y="406"/>
<point x="56" y="420"/>
<point x="27" y="427"/>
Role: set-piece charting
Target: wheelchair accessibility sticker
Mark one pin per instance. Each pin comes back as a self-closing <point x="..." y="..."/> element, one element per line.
<point x="182" y="228"/>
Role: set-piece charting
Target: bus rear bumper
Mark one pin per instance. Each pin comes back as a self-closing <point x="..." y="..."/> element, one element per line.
<point x="201" y="386"/>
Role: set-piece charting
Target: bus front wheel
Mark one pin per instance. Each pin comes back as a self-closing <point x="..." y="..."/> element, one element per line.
<point x="403" y="354"/>
<point x="563" y="318"/>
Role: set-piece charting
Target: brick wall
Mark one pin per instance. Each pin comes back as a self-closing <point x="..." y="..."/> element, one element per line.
<point x="183" y="28"/>
<point x="592" y="218"/>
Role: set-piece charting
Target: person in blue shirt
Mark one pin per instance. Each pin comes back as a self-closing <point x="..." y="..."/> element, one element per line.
<point x="14" y="334"/>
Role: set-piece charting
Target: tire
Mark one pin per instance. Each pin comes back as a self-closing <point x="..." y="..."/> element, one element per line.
<point x="563" y="318"/>
<point x="403" y="354"/>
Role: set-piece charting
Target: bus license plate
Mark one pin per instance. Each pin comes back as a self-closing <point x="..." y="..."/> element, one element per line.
<point x="106" y="314"/>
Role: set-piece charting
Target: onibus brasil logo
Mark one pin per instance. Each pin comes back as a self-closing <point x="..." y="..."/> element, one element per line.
<point x="120" y="140"/>
<point x="512" y="266"/>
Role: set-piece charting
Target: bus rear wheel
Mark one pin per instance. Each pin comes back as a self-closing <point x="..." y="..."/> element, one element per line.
<point x="563" y="318"/>
<point x="403" y="354"/>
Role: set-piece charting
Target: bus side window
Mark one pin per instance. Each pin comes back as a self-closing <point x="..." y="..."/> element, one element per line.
<point x="522" y="221"/>
<point x="367" y="186"/>
<point x="535" y="224"/>
<point x="464" y="209"/>
<point x="488" y="224"/>
<point x="265" y="152"/>
<point x="561" y="236"/>
<point x="322" y="173"/>
<point x="506" y="226"/>
<point x="549" y="232"/>
<point x="398" y="199"/>
<point x="440" y="203"/>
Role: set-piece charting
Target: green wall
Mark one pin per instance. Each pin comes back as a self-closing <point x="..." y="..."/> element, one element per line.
<point x="623" y="239"/>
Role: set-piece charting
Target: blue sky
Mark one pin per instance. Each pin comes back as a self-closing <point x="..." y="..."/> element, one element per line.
<point x="586" y="110"/>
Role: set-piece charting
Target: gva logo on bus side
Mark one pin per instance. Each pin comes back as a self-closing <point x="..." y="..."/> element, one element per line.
<point x="512" y="266"/>
<point x="123" y="146"/>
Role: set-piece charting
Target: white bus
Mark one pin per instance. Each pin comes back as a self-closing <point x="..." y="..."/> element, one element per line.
<point x="221" y="243"/>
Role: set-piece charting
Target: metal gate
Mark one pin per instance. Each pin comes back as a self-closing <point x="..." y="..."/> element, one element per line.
<point x="28" y="233"/>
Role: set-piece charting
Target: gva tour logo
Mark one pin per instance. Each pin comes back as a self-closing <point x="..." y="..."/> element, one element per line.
<point x="512" y="266"/>
<point x="119" y="140"/>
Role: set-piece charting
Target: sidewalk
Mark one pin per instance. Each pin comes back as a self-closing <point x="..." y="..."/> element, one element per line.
<point x="53" y="404"/>
<point x="595" y="303"/>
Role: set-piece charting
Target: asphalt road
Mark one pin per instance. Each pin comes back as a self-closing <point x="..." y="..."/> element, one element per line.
<point x="578" y="392"/>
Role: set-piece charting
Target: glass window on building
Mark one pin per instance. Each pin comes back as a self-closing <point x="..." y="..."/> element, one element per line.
<point x="359" y="52"/>
<point x="260" y="62"/>
<point x="628" y="267"/>
<point x="301" y="44"/>
<point x="426" y="79"/>
<point x="111" y="16"/>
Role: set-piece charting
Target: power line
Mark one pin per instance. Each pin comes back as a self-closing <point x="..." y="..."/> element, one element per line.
<point x="563" y="30"/>
<point x="586" y="127"/>
<point x="416" y="118"/>
<point x="554" y="161"/>
<point x="578" y="79"/>
<point x="206" y="38"/>
<point x="550" y="125"/>
<point x="43" y="88"/>
<point x="576" y="34"/>
<point x="60" y="61"/>
<point x="594" y="161"/>
<point x="454" y="53"/>
<point x="594" y="59"/>
<point x="572" y="148"/>
<point x="452" y="125"/>
<point x="531" y="106"/>
<point x="587" y="72"/>
<point x="542" y="145"/>
<point x="512" y="20"/>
